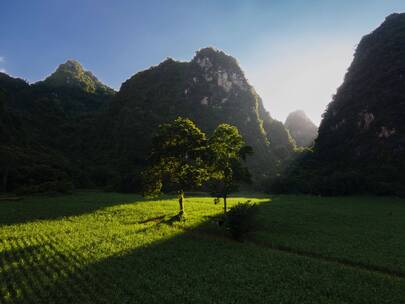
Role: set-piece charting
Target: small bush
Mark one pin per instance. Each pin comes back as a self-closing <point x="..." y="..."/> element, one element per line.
<point x="240" y="219"/>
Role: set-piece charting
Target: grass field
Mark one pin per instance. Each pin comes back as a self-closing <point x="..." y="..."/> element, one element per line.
<point x="94" y="247"/>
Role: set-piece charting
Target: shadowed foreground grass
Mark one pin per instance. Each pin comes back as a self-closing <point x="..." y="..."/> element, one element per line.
<point x="114" y="248"/>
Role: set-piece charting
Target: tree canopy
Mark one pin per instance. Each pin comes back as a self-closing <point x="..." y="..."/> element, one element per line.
<point x="183" y="158"/>
<point x="227" y="150"/>
<point x="177" y="159"/>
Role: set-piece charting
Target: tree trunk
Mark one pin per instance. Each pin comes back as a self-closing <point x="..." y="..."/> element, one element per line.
<point x="225" y="204"/>
<point x="181" y="200"/>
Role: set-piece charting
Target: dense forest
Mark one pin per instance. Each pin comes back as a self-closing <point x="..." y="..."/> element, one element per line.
<point x="70" y="130"/>
<point x="210" y="89"/>
<point x="177" y="184"/>
<point x="361" y="142"/>
<point x="44" y="126"/>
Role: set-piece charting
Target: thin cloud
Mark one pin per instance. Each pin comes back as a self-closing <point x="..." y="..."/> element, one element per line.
<point x="1" y="59"/>
<point x="3" y="71"/>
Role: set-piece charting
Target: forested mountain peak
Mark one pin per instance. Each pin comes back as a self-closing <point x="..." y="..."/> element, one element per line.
<point x="71" y="74"/>
<point x="371" y="98"/>
<point x="299" y="114"/>
<point x="8" y="83"/>
<point x="394" y="16"/>
<point x="73" y="115"/>
<point x="361" y="141"/>
<point x="44" y="126"/>
<point x="210" y="89"/>
<point x="301" y="128"/>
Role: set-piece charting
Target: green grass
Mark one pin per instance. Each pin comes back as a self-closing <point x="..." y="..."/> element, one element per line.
<point x="94" y="247"/>
<point x="365" y="230"/>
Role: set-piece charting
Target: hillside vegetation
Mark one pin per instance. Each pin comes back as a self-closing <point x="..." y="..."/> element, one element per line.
<point x="77" y="132"/>
<point x="210" y="90"/>
<point x="71" y="131"/>
<point x="45" y="129"/>
<point x="361" y="144"/>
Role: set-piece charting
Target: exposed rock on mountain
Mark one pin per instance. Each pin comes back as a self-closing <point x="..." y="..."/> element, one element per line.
<point x="68" y="130"/>
<point x="210" y="89"/>
<point x="301" y="128"/>
<point x="361" y="142"/>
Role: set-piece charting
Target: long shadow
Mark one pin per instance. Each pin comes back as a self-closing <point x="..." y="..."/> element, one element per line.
<point x="55" y="207"/>
<point x="193" y="267"/>
<point x="32" y="208"/>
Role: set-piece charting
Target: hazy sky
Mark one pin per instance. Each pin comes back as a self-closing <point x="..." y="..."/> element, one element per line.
<point x="295" y="53"/>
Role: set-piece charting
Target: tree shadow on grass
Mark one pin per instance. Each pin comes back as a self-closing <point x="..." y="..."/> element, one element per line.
<point x="55" y="207"/>
<point x="156" y="219"/>
<point x="184" y="265"/>
<point x="187" y="267"/>
<point x="32" y="208"/>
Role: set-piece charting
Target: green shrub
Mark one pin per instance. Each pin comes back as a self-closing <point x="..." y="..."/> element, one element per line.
<point x="240" y="219"/>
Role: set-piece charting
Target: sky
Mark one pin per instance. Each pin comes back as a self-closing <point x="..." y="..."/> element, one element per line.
<point x="294" y="52"/>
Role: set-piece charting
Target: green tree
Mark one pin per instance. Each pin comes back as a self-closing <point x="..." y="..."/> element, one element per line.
<point x="177" y="159"/>
<point x="227" y="150"/>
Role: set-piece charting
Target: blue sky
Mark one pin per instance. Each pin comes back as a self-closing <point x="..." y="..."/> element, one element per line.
<point x="295" y="53"/>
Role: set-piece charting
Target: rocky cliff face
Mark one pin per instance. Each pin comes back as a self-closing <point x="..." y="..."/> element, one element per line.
<point x="301" y="128"/>
<point x="210" y="89"/>
<point x="72" y="127"/>
<point x="361" y="141"/>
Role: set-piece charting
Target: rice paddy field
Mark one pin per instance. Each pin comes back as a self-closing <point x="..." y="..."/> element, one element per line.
<point x="95" y="247"/>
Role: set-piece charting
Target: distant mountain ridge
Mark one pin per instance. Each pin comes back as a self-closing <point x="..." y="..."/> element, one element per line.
<point x="301" y="128"/>
<point x="71" y="128"/>
<point x="361" y="141"/>
<point x="72" y="75"/>
<point x="43" y="127"/>
<point x="210" y="89"/>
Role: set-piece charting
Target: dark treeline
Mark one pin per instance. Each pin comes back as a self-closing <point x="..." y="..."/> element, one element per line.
<point x="71" y="131"/>
<point x="361" y="142"/>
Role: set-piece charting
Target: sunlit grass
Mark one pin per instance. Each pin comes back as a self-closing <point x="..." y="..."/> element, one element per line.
<point x="111" y="230"/>
<point x="113" y="248"/>
<point x="47" y="251"/>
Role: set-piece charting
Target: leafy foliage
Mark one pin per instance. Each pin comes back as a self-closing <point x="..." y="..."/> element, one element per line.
<point x="240" y="219"/>
<point x="211" y="89"/>
<point x="104" y="140"/>
<point x="177" y="159"/>
<point x="227" y="149"/>
<point x="183" y="159"/>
